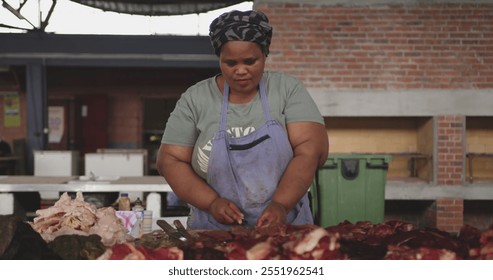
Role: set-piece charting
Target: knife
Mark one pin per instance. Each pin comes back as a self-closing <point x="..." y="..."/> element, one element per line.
<point x="170" y="231"/>
<point x="181" y="229"/>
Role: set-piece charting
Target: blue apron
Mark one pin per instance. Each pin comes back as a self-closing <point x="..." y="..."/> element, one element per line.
<point x="247" y="169"/>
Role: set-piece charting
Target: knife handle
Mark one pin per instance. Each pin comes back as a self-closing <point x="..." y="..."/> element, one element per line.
<point x="179" y="226"/>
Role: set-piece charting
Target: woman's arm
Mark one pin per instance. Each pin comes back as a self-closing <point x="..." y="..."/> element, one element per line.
<point x="310" y="145"/>
<point x="174" y="164"/>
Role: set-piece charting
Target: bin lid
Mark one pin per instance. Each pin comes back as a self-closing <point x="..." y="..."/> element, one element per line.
<point x="367" y="156"/>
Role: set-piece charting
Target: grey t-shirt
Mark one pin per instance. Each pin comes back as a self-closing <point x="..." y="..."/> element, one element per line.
<point x="197" y="114"/>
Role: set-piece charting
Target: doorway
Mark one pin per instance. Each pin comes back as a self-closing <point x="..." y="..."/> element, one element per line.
<point x="156" y="114"/>
<point x="91" y="123"/>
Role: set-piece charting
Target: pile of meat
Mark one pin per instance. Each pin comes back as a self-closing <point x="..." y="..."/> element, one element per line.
<point x="78" y="237"/>
<point x="75" y="216"/>
<point x="393" y="240"/>
<point x="100" y="234"/>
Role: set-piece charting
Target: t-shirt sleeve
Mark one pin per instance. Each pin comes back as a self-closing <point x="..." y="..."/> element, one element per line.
<point x="299" y="104"/>
<point x="181" y="125"/>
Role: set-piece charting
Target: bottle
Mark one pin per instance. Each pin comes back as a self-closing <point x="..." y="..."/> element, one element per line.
<point x="124" y="202"/>
<point x="138" y="205"/>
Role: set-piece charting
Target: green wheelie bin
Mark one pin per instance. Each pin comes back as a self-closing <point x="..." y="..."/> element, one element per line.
<point x="350" y="187"/>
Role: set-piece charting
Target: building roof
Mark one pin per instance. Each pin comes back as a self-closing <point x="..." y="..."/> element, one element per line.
<point x="158" y="7"/>
<point x="106" y="50"/>
<point x="136" y="7"/>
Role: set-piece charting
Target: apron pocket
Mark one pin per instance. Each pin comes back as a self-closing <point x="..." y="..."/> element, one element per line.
<point x="301" y="214"/>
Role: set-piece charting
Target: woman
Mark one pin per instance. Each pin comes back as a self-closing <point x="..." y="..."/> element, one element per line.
<point x="243" y="147"/>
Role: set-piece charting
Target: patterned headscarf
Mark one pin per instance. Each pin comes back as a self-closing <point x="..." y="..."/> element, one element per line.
<point x="251" y="26"/>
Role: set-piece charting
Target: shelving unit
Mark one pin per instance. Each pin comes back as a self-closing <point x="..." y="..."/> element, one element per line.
<point x="409" y="140"/>
<point x="479" y="152"/>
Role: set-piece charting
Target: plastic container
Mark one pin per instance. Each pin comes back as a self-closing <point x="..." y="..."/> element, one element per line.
<point x="124" y="202"/>
<point x="138" y="205"/>
<point x="350" y="187"/>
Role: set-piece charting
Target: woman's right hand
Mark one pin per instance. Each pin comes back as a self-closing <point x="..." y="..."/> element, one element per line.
<point x="225" y="211"/>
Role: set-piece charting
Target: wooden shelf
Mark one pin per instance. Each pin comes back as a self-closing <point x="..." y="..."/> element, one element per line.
<point x="414" y="158"/>
<point x="471" y="157"/>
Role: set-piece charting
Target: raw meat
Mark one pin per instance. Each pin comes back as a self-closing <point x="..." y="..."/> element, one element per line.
<point x="128" y="251"/>
<point x="75" y="216"/>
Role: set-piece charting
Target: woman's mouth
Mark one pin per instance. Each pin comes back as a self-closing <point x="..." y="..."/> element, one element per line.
<point x="242" y="82"/>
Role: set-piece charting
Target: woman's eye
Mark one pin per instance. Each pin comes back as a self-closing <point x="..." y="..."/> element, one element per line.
<point x="249" y="61"/>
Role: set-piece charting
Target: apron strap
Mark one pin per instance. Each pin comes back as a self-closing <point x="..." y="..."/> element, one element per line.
<point x="224" y="107"/>
<point x="265" y="103"/>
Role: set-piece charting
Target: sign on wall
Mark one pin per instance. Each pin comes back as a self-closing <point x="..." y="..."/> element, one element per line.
<point x="56" y="119"/>
<point x="11" y="110"/>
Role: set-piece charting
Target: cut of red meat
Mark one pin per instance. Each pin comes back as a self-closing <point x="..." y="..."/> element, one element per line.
<point x="430" y="238"/>
<point x="120" y="251"/>
<point x="470" y="235"/>
<point x="238" y="249"/>
<point x="162" y="253"/>
<point x="422" y="253"/>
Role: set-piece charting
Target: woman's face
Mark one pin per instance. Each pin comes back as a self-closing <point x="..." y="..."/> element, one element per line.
<point x="242" y="65"/>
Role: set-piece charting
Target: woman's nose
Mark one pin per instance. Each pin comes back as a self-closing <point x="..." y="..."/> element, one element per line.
<point x="241" y="69"/>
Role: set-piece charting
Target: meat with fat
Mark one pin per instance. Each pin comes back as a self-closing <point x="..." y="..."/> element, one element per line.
<point x="75" y="216"/>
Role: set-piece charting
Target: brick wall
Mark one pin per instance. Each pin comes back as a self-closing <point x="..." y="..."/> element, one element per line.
<point x="125" y="121"/>
<point x="450" y="150"/>
<point x="126" y="89"/>
<point x="417" y="46"/>
<point x="446" y="214"/>
<point x="449" y="214"/>
<point x="439" y="46"/>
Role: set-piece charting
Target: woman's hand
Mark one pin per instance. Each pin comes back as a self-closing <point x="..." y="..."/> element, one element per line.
<point x="274" y="213"/>
<point x="225" y="211"/>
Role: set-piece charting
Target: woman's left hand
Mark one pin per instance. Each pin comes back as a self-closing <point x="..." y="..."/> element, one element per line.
<point x="274" y="213"/>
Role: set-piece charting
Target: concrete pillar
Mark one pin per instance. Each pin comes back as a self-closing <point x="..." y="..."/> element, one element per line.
<point x="37" y="111"/>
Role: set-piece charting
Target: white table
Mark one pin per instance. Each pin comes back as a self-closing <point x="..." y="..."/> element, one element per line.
<point x="153" y="184"/>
